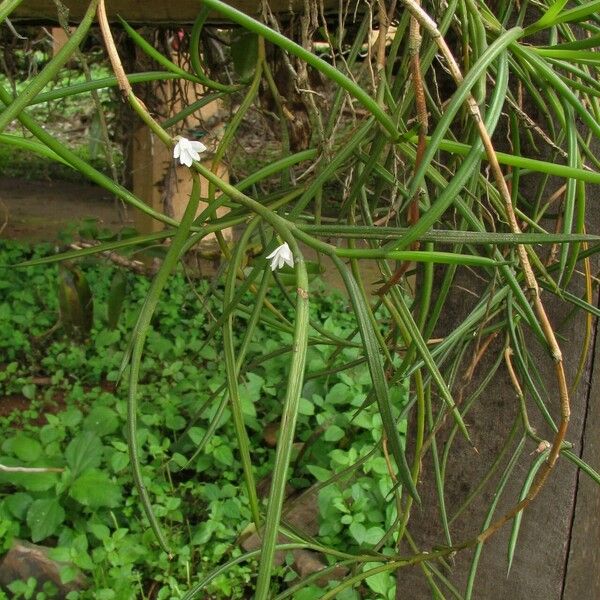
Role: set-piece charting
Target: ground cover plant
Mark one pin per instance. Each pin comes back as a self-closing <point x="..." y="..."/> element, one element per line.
<point x="76" y="421"/>
<point x="387" y="150"/>
<point x="75" y="120"/>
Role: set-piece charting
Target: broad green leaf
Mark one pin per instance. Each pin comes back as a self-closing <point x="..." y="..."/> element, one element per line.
<point x="26" y="448"/>
<point x="44" y="517"/>
<point x="101" y="421"/>
<point x="373" y="535"/>
<point x="381" y="583"/>
<point x="306" y="407"/>
<point x="224" y="455"/>
<point x="333" y="433"/>
<point x="320" y="473"/>
<point x="95" y="489"/>
<point x="85" y="451"/>
<point x="18" y="504"/>
<point x="119" y="461"/>
<point x="358" y="532"/>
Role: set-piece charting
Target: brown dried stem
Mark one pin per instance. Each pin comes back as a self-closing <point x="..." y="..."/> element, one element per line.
<point x="113" y="54"/>
<point x="423" y="122"/>
<point x="6" y="469"/>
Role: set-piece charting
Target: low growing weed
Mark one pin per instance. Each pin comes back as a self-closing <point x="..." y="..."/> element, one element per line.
<point x="88" y="510"/>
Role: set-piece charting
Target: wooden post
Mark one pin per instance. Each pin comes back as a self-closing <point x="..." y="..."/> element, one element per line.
<point x="156" y="177"/>
<point x="59" y="39"/>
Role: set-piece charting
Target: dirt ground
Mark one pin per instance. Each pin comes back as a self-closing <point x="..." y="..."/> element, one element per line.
<point x="35" y="211"/>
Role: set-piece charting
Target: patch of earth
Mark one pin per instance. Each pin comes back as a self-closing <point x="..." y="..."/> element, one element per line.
<point x="37" y="211"/>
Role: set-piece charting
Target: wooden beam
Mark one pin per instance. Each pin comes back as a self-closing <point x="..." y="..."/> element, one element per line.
<point x="150" y="11"/>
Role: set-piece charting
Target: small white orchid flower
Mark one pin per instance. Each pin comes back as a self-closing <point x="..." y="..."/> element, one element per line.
<point x="188" y="151"/>
<point x="282" y="255"/>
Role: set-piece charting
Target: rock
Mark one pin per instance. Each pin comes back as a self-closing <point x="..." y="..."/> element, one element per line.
<point x="307" y="562"/>
<point x="301" y="514"/>
<point x="25" y="560"/>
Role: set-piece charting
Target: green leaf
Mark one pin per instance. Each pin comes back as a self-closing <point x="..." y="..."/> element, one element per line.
<point x="70" y="417"/>
<point x="18" y="504"/>
<point x="320" y="473"/>
<point x="381" y="583"/>
<point x="333" y="434"/>
<point x="578" y="13"/>
<point x="105" y="338"/>
<point x="358" y="532"/>
<point x="26" y="448"/>
<point x="95" y="489"/>
<point x="516" y="525"/>
<point x="224" y="455"/>
<point x="28" y="390"/>
<point x="102" y="532"/>
<point x="339" y="394"/>
<point x="247" y="405"/>
<point x="118" y="461"/>
<point x="244" y="52"/>
<point x="372" y="353"/>
<point x="306" y="407"/>
<point x="75" y="302"/>
<point x="101" y="421"/>
<point x="44" y="517"/>
<point x="373" y="535"/>
<point x="203" y="533"/>
<point x="85" y="451"/>
<point x="549" y="17"/>
<point x="196" y="434"/>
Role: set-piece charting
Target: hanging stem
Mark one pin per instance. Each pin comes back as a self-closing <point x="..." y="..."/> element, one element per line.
<point x="530" y="280"/>
<point x="423" y="122"/>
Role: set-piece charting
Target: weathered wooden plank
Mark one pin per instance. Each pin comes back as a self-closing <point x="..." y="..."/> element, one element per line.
<point x="150" y="11"/>
<point x="555" y="556"/>
<point x="582" y="580"/>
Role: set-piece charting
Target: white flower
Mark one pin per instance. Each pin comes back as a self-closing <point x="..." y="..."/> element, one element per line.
<point x="282" y="255"/>
<point x="187" y="151"/>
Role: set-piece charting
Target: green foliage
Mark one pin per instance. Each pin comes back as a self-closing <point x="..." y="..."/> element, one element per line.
<point x="377" y="151"/>
<point x="71" y="118"/>
<point x="90" y="513"/>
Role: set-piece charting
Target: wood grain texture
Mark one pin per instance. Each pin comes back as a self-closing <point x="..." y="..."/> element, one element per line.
<point x="582" y="580"/>
<point x="150" y="11"/>
<point x="558" y="550"/>
<point x="539" y="564"/>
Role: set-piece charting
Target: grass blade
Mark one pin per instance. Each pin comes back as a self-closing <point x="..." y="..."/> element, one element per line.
<point x="138" y="339"/>
<point x="371" y="347"/>
<point x="516" y="526"/>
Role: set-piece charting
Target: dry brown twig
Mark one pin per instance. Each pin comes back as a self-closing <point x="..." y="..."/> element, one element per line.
<point x="133" y="265"/>
<point x="5" y="469"/>
<point x="423" y="123"/>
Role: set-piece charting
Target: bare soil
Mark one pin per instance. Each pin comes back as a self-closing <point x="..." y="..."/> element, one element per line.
<point x="36" y="211"/>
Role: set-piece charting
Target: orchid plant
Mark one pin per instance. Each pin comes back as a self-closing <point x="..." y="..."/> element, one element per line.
<point x="188" y="151"/>
<point x="402" y="169"/>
